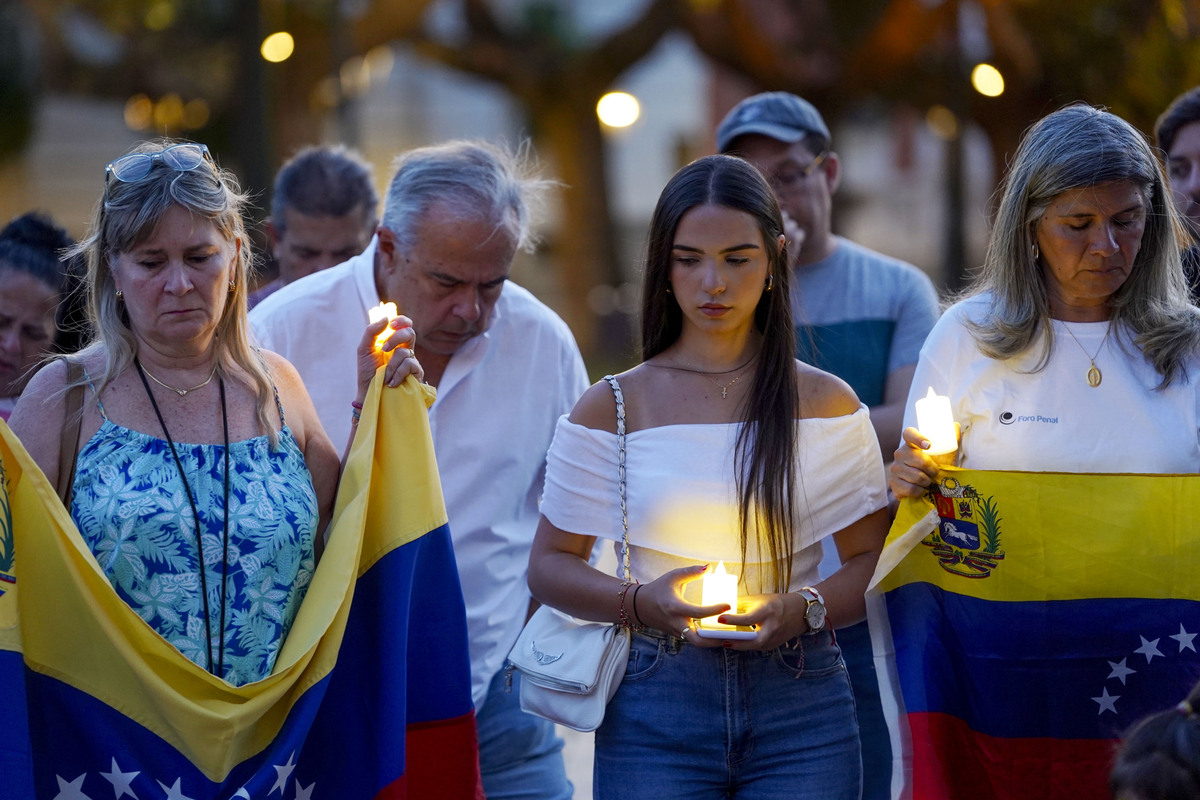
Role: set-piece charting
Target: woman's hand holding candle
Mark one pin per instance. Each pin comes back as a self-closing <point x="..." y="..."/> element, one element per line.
<point x="923" y="452"/>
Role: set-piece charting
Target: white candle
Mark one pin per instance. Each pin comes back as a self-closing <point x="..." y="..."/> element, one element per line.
<point x="719" y="586"/>
<point x="935" y="421"/>
<point x="382" y="311"/>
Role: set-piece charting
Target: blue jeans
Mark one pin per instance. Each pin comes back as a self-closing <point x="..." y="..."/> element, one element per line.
<point x="696" y="722"/>
<point x="520" y="755"/>
<point x="855" y="642"/>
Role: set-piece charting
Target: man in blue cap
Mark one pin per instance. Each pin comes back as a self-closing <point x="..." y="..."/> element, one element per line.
<point x="859" y="314"/>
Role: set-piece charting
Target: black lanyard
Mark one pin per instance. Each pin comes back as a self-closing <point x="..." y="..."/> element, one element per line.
<point x="196" y="516"/>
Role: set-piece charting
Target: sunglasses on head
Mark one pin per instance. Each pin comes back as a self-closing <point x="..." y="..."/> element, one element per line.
<point x="136" y="166"/>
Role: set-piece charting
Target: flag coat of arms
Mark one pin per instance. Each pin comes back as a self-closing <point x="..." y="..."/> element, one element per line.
<point x="1022" y="622"/>
<point x="370" y="695"/>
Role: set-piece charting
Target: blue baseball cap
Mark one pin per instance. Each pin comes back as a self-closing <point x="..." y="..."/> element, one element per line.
<point x="779" y="115"/>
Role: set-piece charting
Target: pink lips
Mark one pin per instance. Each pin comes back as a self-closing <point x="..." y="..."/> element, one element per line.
<point x="713" y="309"/>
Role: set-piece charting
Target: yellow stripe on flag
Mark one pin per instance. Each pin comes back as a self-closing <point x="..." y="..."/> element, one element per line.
<point x="1080" y="536"/>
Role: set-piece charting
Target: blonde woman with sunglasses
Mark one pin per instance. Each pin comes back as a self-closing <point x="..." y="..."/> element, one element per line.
<point x="196" y="454"/>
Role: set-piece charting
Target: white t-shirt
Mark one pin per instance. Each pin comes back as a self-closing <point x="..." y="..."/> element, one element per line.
<point x="681" y="497"/>
<point x="492" y="423"/>
<point x="1052" y="420"/>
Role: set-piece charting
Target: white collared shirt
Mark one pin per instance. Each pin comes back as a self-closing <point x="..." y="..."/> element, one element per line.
<point x="497" y="404"/>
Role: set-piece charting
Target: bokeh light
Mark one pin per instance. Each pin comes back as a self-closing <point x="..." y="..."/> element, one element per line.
<point x="942" y="122"/>
<point x="987" y="80"/>
<point x="618" y="109"/>
<point x="278" y="47"/>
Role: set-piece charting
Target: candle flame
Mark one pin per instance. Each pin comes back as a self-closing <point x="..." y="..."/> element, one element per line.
<point x="930" y="393"/>
<point x="720" y="570"/>
<point x="382" y="311"/>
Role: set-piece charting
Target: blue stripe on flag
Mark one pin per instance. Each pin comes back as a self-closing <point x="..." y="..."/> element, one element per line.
<point x="1070" y="669"/>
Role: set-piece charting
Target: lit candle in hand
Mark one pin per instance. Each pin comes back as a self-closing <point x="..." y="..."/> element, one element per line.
<point x="382" y="311"/>
<point x="935" y="421"/>
<point x="719" y="586"/>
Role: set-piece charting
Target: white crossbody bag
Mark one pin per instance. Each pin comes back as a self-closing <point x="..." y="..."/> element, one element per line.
<point x="571" y="668"/>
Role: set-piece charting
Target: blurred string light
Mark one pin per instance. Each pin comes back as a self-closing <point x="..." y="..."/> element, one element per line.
<point x="618" y="109"/>
<point x="278" y="47"/>
<point x="942" y="122"/>
<point x="168" y="115"/>
<point x="987" y="80"/>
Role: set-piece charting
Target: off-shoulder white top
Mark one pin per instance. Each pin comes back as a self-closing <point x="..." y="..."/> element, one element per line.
<point x="682" y="496"/>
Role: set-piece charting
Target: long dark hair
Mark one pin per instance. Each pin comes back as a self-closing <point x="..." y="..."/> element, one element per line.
<point x="766" y="446"/>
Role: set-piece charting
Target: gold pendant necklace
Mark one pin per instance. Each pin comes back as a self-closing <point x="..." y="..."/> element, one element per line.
<point x="724" y="387"/>
<point x="181" y="392"/>
<point x="1093" y="374"/>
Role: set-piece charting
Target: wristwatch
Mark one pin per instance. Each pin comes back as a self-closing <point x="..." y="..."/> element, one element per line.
<point x="814" y="612"/>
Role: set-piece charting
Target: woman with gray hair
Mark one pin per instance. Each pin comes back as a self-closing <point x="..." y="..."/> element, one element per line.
<point x="196" y="469"/>
<point x="1079" y="316"/>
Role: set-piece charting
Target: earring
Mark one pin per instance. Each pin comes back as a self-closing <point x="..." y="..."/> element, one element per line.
<point x="669" y="290"/>
<point x="232" y="285"/>
<point x="1036" y="252"/>
<point x="770" y="281"/>
<point x="120" y="295"/>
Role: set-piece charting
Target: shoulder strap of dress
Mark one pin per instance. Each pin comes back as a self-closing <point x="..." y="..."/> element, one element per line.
<point x="274" y="388"/>
<point x="72" y="421"/>
<point x="616" y="387"/>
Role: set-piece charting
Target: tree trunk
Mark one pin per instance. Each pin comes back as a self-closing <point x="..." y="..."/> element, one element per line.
<point x="586" y="249"/>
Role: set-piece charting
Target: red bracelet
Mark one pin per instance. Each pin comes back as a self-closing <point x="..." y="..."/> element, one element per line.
<point x="356" y="404"/>
<point x="623" y="615"/>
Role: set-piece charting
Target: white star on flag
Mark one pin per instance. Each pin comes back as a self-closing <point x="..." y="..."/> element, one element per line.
<point x="284" y="773"/>
<point x="1149" y="649"/>
<point x="173" y="792"/>
<point x="1185" y="639"/>
<point x="303" y="793"/>
<point x="120" y="781"/>
<point x="1119" y="670"/>
<point x="72" y="790"/>
<point x="1108" y="702"/>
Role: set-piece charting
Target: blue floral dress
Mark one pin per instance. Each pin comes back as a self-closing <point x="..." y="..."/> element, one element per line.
<point x="131" y="508"/>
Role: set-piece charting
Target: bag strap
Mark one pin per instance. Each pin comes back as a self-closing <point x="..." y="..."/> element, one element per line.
<point x="73" y="421"/>
<point x="616" y="387"/>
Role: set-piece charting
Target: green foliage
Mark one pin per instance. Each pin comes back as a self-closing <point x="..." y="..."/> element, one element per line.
<point x="990" y="517"/>
<point x="8" y="554"/>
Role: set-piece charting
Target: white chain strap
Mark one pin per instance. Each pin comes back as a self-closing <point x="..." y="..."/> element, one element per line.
<point x="616" y="387"/>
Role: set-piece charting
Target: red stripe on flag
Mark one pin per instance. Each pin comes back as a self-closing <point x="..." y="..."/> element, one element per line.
<point x="952" y="762"/>
<point x="442" y="759"/>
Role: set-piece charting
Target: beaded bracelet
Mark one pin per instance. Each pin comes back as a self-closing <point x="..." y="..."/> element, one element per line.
<point x="623" y="614"/>
<point x="355" y="412"/>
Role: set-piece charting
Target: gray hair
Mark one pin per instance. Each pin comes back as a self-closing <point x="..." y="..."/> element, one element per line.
<point x="126" y="215"/>
<point x="470" y="179"/>
<point x="324" y="181"/>
<point x="1080" y="146"/>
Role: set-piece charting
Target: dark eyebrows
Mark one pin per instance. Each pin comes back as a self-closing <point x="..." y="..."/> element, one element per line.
<point x="736" y="247"/>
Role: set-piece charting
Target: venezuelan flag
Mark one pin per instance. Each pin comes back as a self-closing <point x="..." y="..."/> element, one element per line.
<point x="370" y="696"/>
<point x="1023" y="621"/>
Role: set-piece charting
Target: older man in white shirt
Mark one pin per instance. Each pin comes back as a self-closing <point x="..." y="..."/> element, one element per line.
<point x="505" y="367"/>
